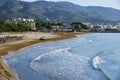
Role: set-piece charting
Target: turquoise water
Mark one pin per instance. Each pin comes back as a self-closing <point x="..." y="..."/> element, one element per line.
<point x="89" y="57"/>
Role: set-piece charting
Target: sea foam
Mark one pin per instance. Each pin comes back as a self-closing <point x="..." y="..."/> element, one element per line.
<point x="63" y="65"/>
<point x="96" y="61"/>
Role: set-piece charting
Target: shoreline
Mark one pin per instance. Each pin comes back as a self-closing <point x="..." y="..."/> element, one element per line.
<point x="8" y="74"/>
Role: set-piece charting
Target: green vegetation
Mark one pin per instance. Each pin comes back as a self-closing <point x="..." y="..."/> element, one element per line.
<point x="41" y="25"/>
<point x="83" y="26"/>
<point x="78" y="26"/>
<point x="7" y="27"/>
<point x="111" y="30"/>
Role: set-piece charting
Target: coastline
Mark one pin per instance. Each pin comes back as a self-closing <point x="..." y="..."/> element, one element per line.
<point x="6" y="73"/>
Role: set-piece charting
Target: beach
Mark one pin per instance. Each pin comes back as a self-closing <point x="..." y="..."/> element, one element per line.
<point x="31" y="39"/>
<point x="85" y="57"/>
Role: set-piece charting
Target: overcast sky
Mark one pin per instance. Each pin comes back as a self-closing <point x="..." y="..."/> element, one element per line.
<point x="105" y="3"/>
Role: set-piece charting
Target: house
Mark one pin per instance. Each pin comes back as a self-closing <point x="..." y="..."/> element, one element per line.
<point x="118" y="26"/>
<point x="88" y="24"/>
<point x="98" y="29"/>
<point x="56" y="26"/>
<point x="66" y="26"/>
<point x="111" y="29"/>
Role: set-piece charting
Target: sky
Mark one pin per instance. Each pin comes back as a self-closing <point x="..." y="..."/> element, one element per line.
<point x="104" y="3"/>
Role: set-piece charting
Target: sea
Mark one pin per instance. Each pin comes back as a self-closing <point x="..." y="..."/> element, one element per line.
<point x="93" y="56"/>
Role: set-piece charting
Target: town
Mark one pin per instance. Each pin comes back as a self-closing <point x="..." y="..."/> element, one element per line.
<point x="47" y="26"/>
<point x="31" y="25"/>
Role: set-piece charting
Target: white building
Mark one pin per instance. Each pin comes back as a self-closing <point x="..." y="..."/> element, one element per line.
<point x="28" y="22"/>
<point x="118" y="26"/>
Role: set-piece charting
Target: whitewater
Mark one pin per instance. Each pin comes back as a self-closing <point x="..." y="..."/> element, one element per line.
<point x="88" y="57"/>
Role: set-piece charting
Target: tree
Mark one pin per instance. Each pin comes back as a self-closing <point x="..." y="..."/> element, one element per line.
<point x="8" y="27"/>
<point x="78" y="26"/>
<point x="40" y="25"/>
<point x="22" y="28"/>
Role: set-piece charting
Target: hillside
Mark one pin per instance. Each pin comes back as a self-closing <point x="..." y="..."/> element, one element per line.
<point x="56" y="11"/>
<point x="111" y="13"/>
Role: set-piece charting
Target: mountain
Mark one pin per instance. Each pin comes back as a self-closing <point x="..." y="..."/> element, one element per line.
<point x="56" y="11"/>
<point x="111" y="13"/>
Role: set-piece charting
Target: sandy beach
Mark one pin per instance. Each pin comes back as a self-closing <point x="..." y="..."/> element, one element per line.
<point x="31" y="39"/>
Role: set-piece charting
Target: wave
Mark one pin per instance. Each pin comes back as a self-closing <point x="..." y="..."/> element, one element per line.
<point x="51" y="53"/>
<point x="63" y="65"/>
<point x="108" y="63"/>
<point x="96" y="61"/>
